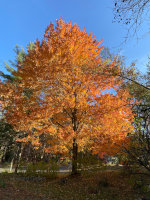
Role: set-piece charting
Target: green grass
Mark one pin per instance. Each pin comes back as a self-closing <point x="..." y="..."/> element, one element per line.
<point x="96" y="185"/>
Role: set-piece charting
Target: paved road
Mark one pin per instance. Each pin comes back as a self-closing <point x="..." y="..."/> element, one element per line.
<point x="7" y="169"/>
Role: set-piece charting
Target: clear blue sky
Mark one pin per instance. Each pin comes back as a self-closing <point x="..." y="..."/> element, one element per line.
<point x="22" y="21"/>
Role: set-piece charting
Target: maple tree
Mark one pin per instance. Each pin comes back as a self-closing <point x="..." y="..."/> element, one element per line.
<point x="63" y="100"/>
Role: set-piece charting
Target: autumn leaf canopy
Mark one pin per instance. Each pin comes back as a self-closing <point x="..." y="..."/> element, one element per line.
<point x="66" y="91"/>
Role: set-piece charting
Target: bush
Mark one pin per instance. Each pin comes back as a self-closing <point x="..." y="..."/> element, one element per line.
<point x="88" y="161"/>
<point x="31" y="169"/>
<point x="49" y="170"/>
<point x="139" y="183"/>
<point x="52" y="169"/>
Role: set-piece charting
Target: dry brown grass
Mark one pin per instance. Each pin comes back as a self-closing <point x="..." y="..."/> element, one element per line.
<point x="99" y="185"/>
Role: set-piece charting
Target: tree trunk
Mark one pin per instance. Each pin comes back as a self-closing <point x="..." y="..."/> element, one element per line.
<point x="3" y="158"/>
<point x="19" y="154"/>
<point x="74" y="157"/>
<point x="11" y="164"/>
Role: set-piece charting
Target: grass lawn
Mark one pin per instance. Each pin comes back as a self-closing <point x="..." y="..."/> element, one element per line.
<point x="96" y="185"/>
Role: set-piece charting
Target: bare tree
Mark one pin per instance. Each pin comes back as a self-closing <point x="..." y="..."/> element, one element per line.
<point x="132" y="13"/>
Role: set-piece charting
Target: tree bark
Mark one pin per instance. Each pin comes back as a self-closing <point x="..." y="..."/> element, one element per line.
<point x="74" y="157"/>
<point x="11" y="164"/>
<point x="3" y="158"/>
<point x="19" y="154"/>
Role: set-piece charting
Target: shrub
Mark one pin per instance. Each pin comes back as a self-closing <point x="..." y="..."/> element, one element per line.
<point x="87" y="161"/>
<point x="49" y="170"/>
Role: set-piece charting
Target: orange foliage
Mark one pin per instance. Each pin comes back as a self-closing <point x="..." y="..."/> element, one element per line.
<point x="62" y="95"/>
